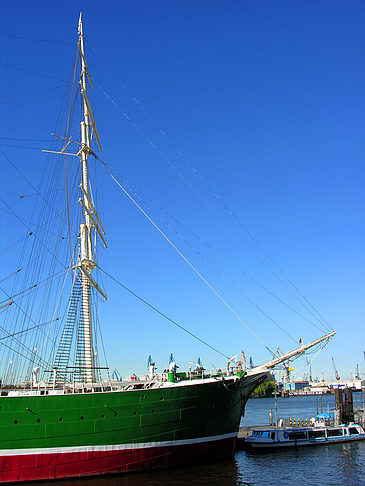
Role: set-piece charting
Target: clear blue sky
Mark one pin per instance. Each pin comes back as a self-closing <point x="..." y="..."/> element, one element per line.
<point x="266" y="100"/>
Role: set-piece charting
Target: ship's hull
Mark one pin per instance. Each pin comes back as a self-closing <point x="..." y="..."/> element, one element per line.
<point x="83" y="434"/>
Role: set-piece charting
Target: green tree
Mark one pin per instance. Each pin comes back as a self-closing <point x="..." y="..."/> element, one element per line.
<point x="265" y="389"/>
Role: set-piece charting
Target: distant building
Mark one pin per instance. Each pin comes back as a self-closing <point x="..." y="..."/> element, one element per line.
<point x="326" y="386"/>
<point x="296" y="385"/>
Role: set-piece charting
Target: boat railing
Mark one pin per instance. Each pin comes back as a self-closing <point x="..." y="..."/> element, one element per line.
<point x="129" y="383"/>
<point x="305" y="422"/>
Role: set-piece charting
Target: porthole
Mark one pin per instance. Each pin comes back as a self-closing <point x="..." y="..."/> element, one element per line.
<point x="115" y="414"/>
<point x="134" y="413"/>
<point x="81" y="418"/>
<point x="38" y="420"/>
<point x="102" y="416"/>
<point x="60" y="419"/>
<point x="15" y="421"/>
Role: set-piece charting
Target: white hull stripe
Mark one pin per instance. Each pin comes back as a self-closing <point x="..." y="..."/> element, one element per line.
<point x="116" y="447"/>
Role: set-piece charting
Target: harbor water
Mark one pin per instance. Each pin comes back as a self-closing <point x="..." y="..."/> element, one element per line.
<point x="297" y="407"/>
<point x="335" y="464"/>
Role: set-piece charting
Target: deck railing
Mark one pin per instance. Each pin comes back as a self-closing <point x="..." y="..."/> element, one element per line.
<point x="302" y="422"/>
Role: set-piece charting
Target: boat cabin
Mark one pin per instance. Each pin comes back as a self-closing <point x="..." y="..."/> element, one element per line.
<point x="279" y="437"/>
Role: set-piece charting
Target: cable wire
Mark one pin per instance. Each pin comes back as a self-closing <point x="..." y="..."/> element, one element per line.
<point x="164" y="315"/>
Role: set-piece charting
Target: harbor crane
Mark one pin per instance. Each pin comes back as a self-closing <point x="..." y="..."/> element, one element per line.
<point x="337" y="376"/>
<point x="285" y="368"/>
<point x="357" y="375"/>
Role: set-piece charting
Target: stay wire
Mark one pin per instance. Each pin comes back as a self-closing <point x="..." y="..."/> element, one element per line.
<point x="30" y="100"/>
<point x="51" y="251"/>
<point x="48" y="41"/>
<point x="204" y="200"/>
<point x="67" y="135"/>
<point x="11" y="275"/>
<point x="35" y="312"/>
<point x="164" y="315"/>
<point x="37" y="285"/>
<point x="28" y="316"/>
<point x="144" y="198"/>
<point x="32" y="72"/>
<point x="33" y="356"/>
<point x="204" y="181"/>
<point x="16" y="95"/>
<point x="230" y="282"/>
<point x="28" y="329"/>
<point x="103" y="164"/>
<point x="46" y="201"/>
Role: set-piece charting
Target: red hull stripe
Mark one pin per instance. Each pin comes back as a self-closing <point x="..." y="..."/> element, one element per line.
<point x="94" y="461"/>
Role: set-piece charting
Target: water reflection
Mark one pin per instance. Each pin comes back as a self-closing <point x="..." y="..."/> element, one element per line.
<point x="352" y="463"/>
<point x="335" y="464"/>
<point x="212" y="474"/>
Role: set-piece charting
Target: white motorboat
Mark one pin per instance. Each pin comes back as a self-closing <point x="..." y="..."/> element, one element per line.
<point x="274" y="437"/>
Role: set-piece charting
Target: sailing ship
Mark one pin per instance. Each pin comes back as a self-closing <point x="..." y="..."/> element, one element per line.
<point x="65" y="421"/>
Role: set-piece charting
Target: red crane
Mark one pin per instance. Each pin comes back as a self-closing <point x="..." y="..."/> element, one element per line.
<point x="334" y="367"/>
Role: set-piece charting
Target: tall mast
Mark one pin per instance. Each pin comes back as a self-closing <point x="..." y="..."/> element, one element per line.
<point x="90" y="226"/>
<point x="86" y="263"/>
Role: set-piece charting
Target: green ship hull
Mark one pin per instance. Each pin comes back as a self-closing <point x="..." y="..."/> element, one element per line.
<point x="58" y="434"/>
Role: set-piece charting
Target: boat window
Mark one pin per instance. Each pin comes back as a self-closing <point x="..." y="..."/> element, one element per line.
<point x="353" y="430"/>
<point x="272" y="435"/>
<point x="298" y="435"/>
<point x="334" y="432"/>
<point x="263" y="434"/>
<point x="313" y="434"/>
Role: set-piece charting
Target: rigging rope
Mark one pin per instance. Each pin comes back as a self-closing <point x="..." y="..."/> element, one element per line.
<point x="164" y="315"/>
<point x="25" y="313"/>
<point x="31" y="72"/>
<point x="48" y="215"/>
<point x="217" y="294"/>
<point x="142" y="197"/>
<point x="28" y="329"/>
<point x="30" y="100"/>
<point x="37" y="285"/>
<point x="32" y="92"/>
<point x="32" y="353"/>
<point x="37" y="40"/>
<point x="206" y="202"/>
<point x="204" y="181"/>
<point x="67" y="137"/>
